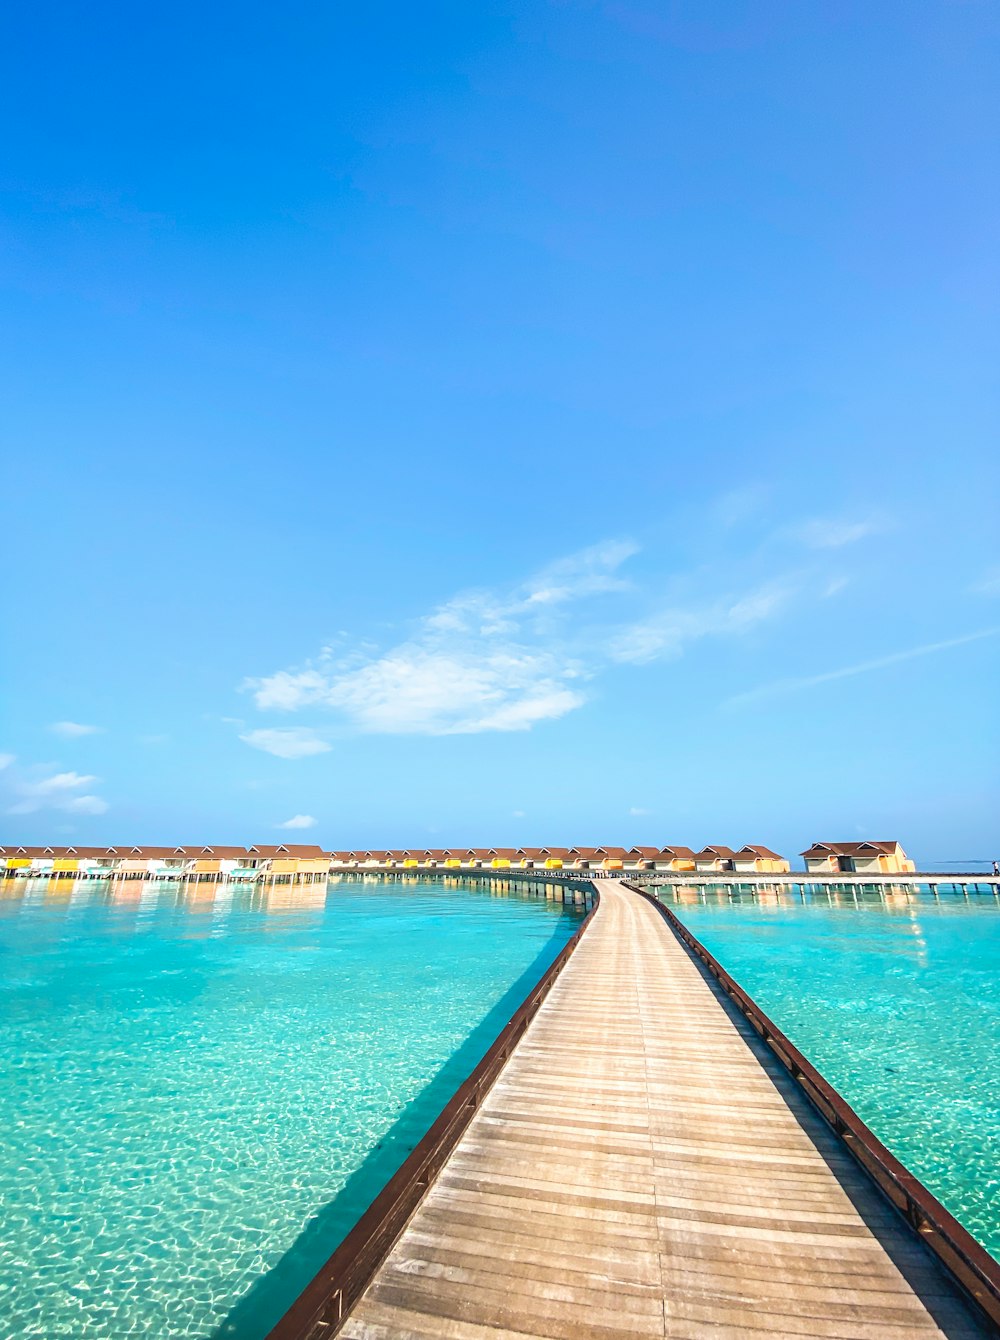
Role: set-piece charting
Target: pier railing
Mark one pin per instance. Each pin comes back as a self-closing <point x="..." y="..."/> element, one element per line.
<point x="323" y="1306"/>
<point x="965" y="1260"/>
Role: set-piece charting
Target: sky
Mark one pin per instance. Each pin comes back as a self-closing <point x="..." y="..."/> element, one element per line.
<point x="501" y="423"/>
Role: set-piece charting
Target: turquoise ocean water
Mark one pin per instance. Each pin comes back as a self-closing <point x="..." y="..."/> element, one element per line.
<point x="895" y="998"/>
<point x="202" y="1089"/>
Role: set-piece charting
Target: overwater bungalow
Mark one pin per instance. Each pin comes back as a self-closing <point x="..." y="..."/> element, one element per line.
<point x="610" y="858"/>
<point x="712" y="859"/>
<point x="222" y="862"/>
<point x="857" y="858"/>
<point x="65" y="861"/>
<point x="659" y="858"/>
<point x="596" y="858"/>
<point x="290" y="861"/>
<point x="755" y="859"/>
<point x="544" y="858"/>
<point x="502" y="858"/>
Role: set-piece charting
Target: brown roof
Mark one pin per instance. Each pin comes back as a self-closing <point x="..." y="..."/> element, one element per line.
<point x="299" y="850"/>
<point x="849" y="848"/>
<point x="717" y="851"/>
<point x="755" y="849"/>
<point x="504" y="853"/>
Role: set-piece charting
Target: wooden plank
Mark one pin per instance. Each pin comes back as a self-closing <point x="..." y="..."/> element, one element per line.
<point x="643" y="1166"/>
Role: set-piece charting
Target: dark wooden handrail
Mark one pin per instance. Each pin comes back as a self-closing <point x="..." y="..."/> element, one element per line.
<point x="965" y="1260"/>
<point x="324" y="1304"/>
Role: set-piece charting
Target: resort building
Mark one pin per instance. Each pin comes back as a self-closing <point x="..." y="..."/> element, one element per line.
<point x="879" y="858"/>
<point x="755" y="859"/>
<point x="711" y="859"/>
<point x="544" y="858"/>
<point x="597" y="858"/>
<point x="502" y="858"/>
<point x="221" y="863"/>
<point x="659" y="858"/>
<point x="290" y="861"/>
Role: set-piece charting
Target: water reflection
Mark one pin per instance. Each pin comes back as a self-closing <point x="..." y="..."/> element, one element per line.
<point x="139" y="901"/>
<point x="899" y="898"/>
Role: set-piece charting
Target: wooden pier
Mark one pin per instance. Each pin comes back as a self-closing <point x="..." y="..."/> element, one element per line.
<point x="644" y="1166"/>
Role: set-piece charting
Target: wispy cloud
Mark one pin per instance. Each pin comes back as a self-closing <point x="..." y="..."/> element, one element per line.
<point x="483" y="661"/>
<point x="73" y="730"/>
<point x="835" y="532"/>
<point x="287" y="741"/>
<point x="508" y="659"/>
<point x="989" y="583"/>
<point x="299" y="821"/>
<point x="669" y="632"/>
<point x="779" y="687"/>
<point x="636" y="811"/>
<point x="41" y="789"/>
<point x="6" y="760"/>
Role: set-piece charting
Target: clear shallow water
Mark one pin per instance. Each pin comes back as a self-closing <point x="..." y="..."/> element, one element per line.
<point x="896" y="1000"/>
<point x="202" y="1090"/>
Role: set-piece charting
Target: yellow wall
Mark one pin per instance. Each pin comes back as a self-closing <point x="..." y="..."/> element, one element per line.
<point x="291" y="865"/>
<point x="66" y="864"/>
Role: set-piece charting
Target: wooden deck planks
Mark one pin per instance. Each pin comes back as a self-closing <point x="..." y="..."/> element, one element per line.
<point x="644" y="1167"/>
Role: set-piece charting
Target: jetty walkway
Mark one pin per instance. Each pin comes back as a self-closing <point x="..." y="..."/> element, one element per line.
<point x="643" y="1166"/>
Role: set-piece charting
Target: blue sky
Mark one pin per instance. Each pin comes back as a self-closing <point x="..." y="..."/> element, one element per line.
<point x="507" y="423"/>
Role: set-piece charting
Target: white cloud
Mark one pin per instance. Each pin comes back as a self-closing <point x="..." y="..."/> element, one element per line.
<point x="989" y="585"/>
<point x="424" y="690"/>
<point x="6" y="760"/>
<point x="73" y="730"/>
<point x="482" y="661"/>
<point x="57" y="791"/>
<point x="779" y="687"/>
<point x="506" y="659"/>
<point x="637" y="811"/>
<point x="299" y="821"/>
<point x="668" y="633"/>
<point x="834" y="532"/>
<point x="87" y="805"/>
<point x="287" y="742"/>
<point x="739" y="504"/>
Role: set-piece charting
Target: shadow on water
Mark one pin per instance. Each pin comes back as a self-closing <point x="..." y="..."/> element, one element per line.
<point x="253" y="1315"/>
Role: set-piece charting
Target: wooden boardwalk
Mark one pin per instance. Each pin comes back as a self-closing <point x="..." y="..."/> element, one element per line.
<point x="644" y="1167"/>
